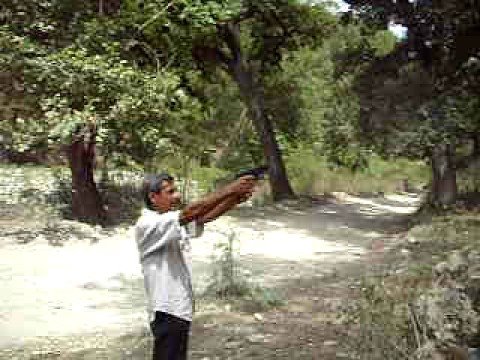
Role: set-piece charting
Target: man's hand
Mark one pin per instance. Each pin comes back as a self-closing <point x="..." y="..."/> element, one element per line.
<point x="243" y="187"/>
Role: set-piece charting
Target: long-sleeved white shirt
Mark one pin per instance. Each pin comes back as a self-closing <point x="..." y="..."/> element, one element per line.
<point x="165" y="256"/>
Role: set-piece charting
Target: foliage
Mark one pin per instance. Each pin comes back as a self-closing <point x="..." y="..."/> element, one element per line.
<point x="441" y="35"/>
<point x="137" y="113"/>
<point x="379" y="324"/>
<point x="432" y="241"/>
<point x="86" y="76"/>
<point x="409" y="97"/>
<point x="246" y="41"/>
<point x="235" y="145"/>
<point x="323" y="79"/>
<point x="135" y="110"/>
<point x="150" y="75"/>
<point x="469" y="182"/>
<point x="383" y="42"/>
<point x="419" y="122"/>
<point x="228" y="283"/>
<point x="312" y="173"/>
<point x="207" y="176"/>
<point x="428" y="308"/>
<point x="271" y="25"/>
<point x="114" y="69"/>
<point x="51" y="23"/>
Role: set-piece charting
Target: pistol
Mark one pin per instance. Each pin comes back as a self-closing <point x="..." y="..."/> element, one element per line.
<point x="258" y="172"/>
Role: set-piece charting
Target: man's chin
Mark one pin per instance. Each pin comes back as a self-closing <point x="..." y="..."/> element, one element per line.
<point x="177" y="206"/>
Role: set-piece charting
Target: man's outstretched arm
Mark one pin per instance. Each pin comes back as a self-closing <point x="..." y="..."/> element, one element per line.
<point x="225" y="205"/>
<point x="215" y="204"/>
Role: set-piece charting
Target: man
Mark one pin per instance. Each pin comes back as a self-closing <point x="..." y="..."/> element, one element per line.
<point x="162" y="235"/>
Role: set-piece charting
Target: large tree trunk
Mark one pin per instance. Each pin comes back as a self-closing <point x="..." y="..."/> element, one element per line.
<point x="253" y="95"/>
<point x="252" y="92"/>
<point x="86" y="201"/>
<point x="476" y="146"/>
<point x="444" y="180"/>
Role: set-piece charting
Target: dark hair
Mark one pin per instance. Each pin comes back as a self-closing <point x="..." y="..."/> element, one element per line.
<point x="153" y="183"/>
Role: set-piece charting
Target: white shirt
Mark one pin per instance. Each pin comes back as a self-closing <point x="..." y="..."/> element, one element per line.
<point x="165" y="255"/>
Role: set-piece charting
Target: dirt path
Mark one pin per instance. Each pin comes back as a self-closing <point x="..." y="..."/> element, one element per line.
<point x="87" y="296"/>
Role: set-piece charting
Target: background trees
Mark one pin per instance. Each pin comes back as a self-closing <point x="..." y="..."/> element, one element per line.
<point x="137" y="81"/>
<point x="246" y="40"/>
<point x="410" y="97"/>
<point x="82" y="58"/>
<point x="71" y="92"/>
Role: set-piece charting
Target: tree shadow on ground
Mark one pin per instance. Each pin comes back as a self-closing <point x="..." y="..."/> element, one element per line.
<point x="135" y="345"/>
<point x="328" y="217"/>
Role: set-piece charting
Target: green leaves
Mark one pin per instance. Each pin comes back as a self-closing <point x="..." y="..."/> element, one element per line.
<point x="134" y="73"/>
<point x="133" y="109"/>
<point x="207" y="13"/>
<point x="328" y="108"/>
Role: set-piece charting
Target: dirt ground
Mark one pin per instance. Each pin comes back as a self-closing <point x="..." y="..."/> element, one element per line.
<point x="70" y="291"/>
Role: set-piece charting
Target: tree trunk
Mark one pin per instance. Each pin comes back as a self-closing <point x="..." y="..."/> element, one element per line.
<point x="86" y="201"/>
<point x="186" y="180"/>
<point x="444" y="180"/>
<point x="476" y="146"/>
<point x="253" y="95"/>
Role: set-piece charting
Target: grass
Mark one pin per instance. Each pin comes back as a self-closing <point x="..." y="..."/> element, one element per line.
<point x="380" y="319"/>
<point x="468" y="180"/>
<point x="228" y="283"/>
<point x="433" y="241"/>
<point x="310" y="174"/>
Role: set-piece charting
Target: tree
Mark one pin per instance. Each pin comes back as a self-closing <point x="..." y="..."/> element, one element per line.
<point x="408" y="95"/>
<point x="30" y="31"/>
<point x="322" y="80"/>
<point x="246" y="39"/>
<point x="79" y="99"/>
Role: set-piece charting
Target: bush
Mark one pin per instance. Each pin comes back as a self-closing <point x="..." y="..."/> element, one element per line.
<point x="122" y="202"/>
<point x="228" y="282"/>
<point x="311" y="174"/>
<point x="378" y="324"/>
<point x="468" y="180"/>
<point x="207" y="177"/>
<point x="428" y="314"/>
<point x="432" y="241"/>
<point x="60" y="196"/>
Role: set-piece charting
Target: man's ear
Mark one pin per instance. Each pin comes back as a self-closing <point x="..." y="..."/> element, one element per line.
<point x="151" y="195"/>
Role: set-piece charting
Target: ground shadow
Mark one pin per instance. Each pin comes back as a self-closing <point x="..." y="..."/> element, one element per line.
<point x="328" y="217"/>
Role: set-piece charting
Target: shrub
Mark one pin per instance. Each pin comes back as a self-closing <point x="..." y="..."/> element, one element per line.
<point x="310" y="173"/>
<point x="428" y="314"/>
<point x="378" y="324"/>
<point x="228" y="282"/>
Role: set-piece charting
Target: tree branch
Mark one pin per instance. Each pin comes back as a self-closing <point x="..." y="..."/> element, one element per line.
<point x="156" y="16"/>
<point x="464" y="162"/>
<point x="230" y="33"/>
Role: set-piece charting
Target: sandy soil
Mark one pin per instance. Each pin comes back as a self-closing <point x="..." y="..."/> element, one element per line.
<point x="90" y="290"/>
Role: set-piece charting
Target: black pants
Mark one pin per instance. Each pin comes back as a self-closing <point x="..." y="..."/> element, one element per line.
<point x="170" y="337"/>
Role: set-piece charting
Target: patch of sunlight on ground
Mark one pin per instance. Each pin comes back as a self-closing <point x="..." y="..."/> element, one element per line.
<point x="66" y="289"/>
<point x="380" y="205"/>
<point x="282" y="243"/>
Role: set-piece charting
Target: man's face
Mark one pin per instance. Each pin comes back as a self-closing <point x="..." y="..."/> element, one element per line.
<point x="167" y="198"/>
